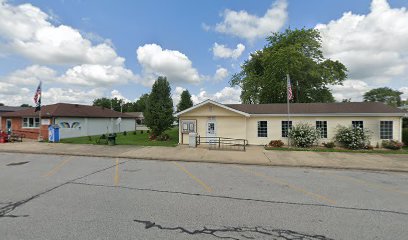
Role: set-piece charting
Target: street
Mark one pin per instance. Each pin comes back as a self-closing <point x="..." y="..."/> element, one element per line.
<point x="71" y="197"/>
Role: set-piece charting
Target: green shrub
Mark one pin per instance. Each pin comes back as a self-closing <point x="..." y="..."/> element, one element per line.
<point x="148" y="131"/>
<point x="124" y="133"/>
<point x="141" y="131"/>
<point x="103" y="136"/>
<point x="329" y="144"/>
<point x="352" y="137"/>
<point x="392" y="144"/>
<point x="304" y="135"/>
<point x="134" y="132"/>
<point x="276" y="143"/>
<point x="405" y="136"/>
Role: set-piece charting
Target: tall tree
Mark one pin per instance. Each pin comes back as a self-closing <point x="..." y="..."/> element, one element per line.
<point x="386" y="95"/>
<point x="159" y="108"/>
<point x="294" y="52"/>
<point x="113" y="103"/>
<point x="185" y="101"/>
<point x="141" y="102"/>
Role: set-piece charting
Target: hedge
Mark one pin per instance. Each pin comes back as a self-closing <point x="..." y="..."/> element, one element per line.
<point x="405" y="136"/>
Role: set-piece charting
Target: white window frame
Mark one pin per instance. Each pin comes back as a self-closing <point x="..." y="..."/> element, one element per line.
<point x="26" y="122"/>
<point x="392" y="130"/>
<point x="323" y="129"/>
<point x="263" y="131"/>
<point x="353" y="122"/>
<point x="289" y="127"/>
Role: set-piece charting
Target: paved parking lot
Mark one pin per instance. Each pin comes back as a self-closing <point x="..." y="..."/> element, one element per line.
<point x="63" y="197"/>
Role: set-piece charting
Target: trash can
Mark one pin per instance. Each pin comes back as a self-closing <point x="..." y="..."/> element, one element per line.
<point x="192" y="139"/>
<point x="53" y="133"/>
<point x="112" y="139"/>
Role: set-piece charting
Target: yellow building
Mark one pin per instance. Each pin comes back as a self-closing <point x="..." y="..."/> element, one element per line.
<point x="261" y="123"/>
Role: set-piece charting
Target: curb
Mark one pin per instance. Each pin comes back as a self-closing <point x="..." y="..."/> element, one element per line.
<point x="209" y="161"/>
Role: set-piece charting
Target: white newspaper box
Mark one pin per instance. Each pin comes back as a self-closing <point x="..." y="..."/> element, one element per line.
<point x="192" y="139"/>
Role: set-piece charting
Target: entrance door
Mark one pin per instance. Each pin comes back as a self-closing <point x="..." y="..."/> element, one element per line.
<point x="211" y="130"/>
<point x="8" y="125"/>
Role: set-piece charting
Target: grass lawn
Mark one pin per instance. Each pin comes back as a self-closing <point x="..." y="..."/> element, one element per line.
<point x="404" y="150"/>
<point x="141" y="139"/>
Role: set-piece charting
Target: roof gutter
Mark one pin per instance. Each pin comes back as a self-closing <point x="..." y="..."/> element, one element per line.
<point x="333" y="115"/>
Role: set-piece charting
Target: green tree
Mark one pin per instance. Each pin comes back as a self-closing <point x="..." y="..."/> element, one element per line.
<point x="386" y="95"/>
<point x="294" y="52"/>
<point x="159" y="108"/>
<point x="113" y="103"/>
<point x="141" y="102"/>
<point x="185" y="101"/>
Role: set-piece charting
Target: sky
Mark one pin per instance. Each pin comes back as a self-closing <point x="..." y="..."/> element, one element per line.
<point x="86" y="49"/>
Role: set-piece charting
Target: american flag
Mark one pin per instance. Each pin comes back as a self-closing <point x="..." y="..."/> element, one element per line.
<point x="290" y="94"/>
<point x="37" y="98"/>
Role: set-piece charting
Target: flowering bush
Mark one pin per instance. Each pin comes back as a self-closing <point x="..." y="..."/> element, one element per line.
<point x="304" y="135"/>
<point x="392" y="144"/>
<point x="352" y="137"/>
<point x="276" y="143"/>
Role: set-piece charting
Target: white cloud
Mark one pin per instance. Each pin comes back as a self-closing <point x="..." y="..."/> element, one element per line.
<point x="226" y="95"/>
<point x="176" y="66"/>
<point x="353" y="89"/>
<point x="221" y="51"/>
<point x="97" y="75"/>
<point x="220" y="74"/>
<point x="116" y="94"/>
<point x="404" y="91"/>
<point x="374" y="47"/>
<point x="69" y="95"/>
<point x="251" y="27"/>
<point x="28" y="31"/>
<point x="15" y="95"/>
<point x="176" y="95"/>
<point x="31" y="75"/>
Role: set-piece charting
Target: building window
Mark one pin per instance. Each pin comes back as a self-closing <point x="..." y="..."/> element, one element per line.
<point x="386" y="129"/>
<point x="357" y="124"/>
<point x="188" y="126"/>
<point x="286" y="126"/>
<point x="262" y="129"/>
<point x="31" y="122"/>
<point x="322" y="126"/>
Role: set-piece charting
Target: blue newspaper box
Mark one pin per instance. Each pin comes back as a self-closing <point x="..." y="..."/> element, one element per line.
<point x="53" y="133"/>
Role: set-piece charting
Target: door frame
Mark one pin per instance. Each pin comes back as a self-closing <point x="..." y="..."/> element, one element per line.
<point x="211" y="120"/>
<point x="9" y="120"/>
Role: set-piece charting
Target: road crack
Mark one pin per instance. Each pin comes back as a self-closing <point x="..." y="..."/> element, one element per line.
<point x="237" y="233"/>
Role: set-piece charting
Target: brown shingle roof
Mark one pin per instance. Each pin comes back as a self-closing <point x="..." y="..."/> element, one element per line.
<point x="69" y="110"/>
<point x="136" y="114"/>
<point x="317" y="108"/>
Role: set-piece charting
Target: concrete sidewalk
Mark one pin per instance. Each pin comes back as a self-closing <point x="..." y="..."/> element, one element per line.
<point x="255" y="155"/>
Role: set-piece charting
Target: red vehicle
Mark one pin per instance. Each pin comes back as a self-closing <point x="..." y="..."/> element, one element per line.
<point x="3" y="137"/>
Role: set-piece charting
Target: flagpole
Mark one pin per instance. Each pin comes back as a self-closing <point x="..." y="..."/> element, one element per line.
<point x="287" y="98"/>
<point x="40" y="139"/>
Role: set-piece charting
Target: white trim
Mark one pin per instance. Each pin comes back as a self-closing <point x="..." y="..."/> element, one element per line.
<point x="212" y="102"/>
<point x="331" y="115"/>
<point x="22" y="123"/>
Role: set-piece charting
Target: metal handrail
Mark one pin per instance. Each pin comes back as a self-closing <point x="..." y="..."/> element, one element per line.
<point x="223" y="141"/>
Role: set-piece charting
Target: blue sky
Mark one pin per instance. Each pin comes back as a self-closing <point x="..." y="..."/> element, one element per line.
<point x="130" y="43"/>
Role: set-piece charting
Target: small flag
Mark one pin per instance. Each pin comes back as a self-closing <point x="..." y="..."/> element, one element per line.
<point x="37" y="98"/>
<point x="290" y="94"/>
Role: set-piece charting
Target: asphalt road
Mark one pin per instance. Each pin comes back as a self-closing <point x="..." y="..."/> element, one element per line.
<point x="62" y="197"/>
